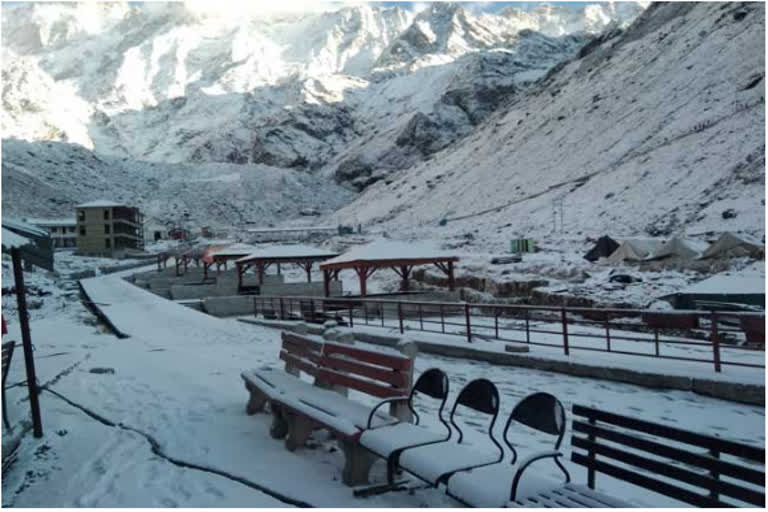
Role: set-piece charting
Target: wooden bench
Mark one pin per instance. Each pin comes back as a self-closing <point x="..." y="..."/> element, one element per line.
<point x="299" y="407"/>
<point x="714" y="472"/>
<point x="7" y="356"/>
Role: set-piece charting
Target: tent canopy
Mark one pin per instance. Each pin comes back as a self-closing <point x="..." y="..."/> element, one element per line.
<point x="603" y="248"/>
<point x="634" y="250"/>
<point x="682" y="248"/>
<point x="731" y="244"/>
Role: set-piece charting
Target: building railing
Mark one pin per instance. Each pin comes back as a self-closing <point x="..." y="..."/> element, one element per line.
<point x="720" y="338"/>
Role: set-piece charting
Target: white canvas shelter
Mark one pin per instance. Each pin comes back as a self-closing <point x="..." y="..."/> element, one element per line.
<point x="635" y="250"/>
<point x="730" y="243"/>
<point x="682" y="248"/>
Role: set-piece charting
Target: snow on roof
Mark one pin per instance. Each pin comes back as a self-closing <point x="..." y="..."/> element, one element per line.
<point x="18" y="225"/>
<point x="289" y="251"/>
<point x="729" y="284"/>
<point x="62" y="221"/>
<point x="305" y="228"/>
<point x="100" y="203"/>
<point x="391" y="250"/>
<point x="235" y="250"/>
<point x="11" y="240"/>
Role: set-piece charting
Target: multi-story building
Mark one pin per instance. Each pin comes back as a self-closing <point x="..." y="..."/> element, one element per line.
<point x="63" y="232"/>
<point x="106" y="228"/>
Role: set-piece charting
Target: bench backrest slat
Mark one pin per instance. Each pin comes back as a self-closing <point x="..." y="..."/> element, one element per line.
<point x="625" y="440"/>
<point x="301" y="353"/>
<point x="365" y="386"/>
<point x="390" y="361"/>
<point x="7" y="355"/>
<point x="394" y="378"/>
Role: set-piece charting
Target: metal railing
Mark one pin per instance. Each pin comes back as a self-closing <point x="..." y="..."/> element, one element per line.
<point x="719" y="338"/>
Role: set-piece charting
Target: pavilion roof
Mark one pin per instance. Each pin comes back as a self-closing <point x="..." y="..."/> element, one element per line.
<point x="390" y="252"/>
<point x="293" y="252"/>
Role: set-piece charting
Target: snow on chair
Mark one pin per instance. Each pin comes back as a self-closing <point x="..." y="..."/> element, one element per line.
<point x="435" y="463"/>
<point x="495" y="485"/>
<point x="389" y="441"/>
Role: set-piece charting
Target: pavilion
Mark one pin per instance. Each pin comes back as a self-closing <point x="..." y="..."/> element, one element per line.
<point x="399" y="256"/>
<point x="302" y="255"/>
<point x="221" y="255"/>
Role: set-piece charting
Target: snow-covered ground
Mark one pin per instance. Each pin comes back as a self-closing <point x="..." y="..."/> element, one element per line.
<point x="176" y="381"/>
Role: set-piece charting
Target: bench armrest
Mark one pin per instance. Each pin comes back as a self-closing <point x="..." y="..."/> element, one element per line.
<point x="530" y="460"/>
<point x="387" y="401"/>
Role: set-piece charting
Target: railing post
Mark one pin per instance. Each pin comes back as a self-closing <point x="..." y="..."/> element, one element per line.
<point x="365" y="312"/>
<point x="351" y="320"/>
<point x="421" y="318"/>
<point x="565" y="332"/>
<point x="527" y="326"/>
<point x="496" y="321"/>
<point x="400" y="316"/>
<point x="592" y="456"/>
<point x="713" y="493"/>
<point x="656" y="340"/>
<point x="442" y="319"/>
<point x="715" y="342"/>
<point x="607" y="333"/>
<point x="469" y="326"/>
<point x="282" y="309"/>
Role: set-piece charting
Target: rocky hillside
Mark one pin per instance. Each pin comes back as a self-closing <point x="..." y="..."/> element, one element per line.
<point x="328" y="92"/>
<point x="655" y="130"/>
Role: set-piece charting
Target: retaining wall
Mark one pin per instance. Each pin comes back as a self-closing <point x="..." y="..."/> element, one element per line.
<point x="228" y="306"/>
<point x="300" y="289"/>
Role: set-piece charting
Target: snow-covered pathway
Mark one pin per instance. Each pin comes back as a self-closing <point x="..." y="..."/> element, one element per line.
<point x="176" y="379"/>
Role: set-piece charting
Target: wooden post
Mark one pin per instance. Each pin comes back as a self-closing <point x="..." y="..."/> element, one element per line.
<point x="327" y="282"/>
<point x="451" y="280"/>
<point x="715" y="343"/>
<point x="260" y="269"/>
<point x="282" y="309"/>
<point x="405" y="271"/>
<point x="656" y="340"/>
<point x="239" y="277"/>
<point x="607" y="333"/>
<point x="351" y="321"/>
<point x="496" y="321"/>
<point x="205" y="270"/>
<point x="400" y="316"/>
<point x="278" y="269"/>
<point x="26" y="338"/>
<point x="527" y="326"/>
<point x="362" y="275"/>
<point x="421" y="318"/>
<point x="469" y="327"/>
<point x="186" y="263"/>
<point x="442" y="318"/>
<point x="308" y="268"/>
<point x="592" y="455"/>
<point x="565" y="332"/>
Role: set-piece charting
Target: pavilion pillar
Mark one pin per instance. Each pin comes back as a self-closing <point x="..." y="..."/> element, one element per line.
<point x="260" y="270"/>
<point x="186" y="264"/>
<point x="327" y="282"/>
<point x="239" y="277"/>
<point x="278" y="269"/>
<point x="205" y="269"/>
<point x="178" y="265"/>
<point x="405" y="272"/>
<point x="362" y="274"/>
<point x="308" y="269"/>
<point x="451" y="280"/>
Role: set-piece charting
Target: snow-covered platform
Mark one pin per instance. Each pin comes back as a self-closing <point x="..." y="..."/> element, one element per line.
<point x="177" y="381"/>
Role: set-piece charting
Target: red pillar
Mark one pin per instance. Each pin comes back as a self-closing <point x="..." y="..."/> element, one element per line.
<point x="260" y="268"/>
<point x="362" y="274"/>
<point x="405" y="272"/>
<point x="327" y="282"/>
<point x="451" y="280"/>
<point x="308" y="268"/>
<point x="239" y="276"/>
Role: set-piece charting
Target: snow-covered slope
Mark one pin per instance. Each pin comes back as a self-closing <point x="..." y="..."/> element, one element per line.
<point x="172" y="82"/>
<point x="659" y="129"/>
<point x="50" y="178"/>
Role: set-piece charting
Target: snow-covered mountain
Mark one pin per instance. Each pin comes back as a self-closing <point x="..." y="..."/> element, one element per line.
<point x="658" y="130"/>
<point x="492" y="122"/>
<point x="171" y="82"/>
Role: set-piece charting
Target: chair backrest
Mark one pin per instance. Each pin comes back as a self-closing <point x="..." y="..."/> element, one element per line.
<point x="7" y="355"/>
<point x="539" y="411"/>
<point x="433" y="383"/>
<point x="657" y="457"/>
<point x="482" y="396"/>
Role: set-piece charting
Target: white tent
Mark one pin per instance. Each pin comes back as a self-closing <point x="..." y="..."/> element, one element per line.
<point x="730" y="244"/>
<point x="634" y="250"/>
<point x="682" y="248"/>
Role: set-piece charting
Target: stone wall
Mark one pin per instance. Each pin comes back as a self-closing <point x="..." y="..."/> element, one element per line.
<point x="315" y="289"/>
<point x="229" y="306"/>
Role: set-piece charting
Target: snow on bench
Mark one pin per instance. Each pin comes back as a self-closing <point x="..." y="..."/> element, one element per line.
<point x="299" y="406"/>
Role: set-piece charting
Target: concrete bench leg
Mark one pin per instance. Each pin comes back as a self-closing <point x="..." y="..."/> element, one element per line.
<point x="357" y="463"/>
<point x="257" y="400"/>
<point x="299" y="429"/>
<point x="279" y="427"/>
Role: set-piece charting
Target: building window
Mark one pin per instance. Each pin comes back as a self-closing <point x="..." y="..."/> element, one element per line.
<point x="106" y="229"/>
<point x="107" y="243"/>
<point x="82" y="230"/>
<point x="81" y="215"/>
<point x="106" y="214"/>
